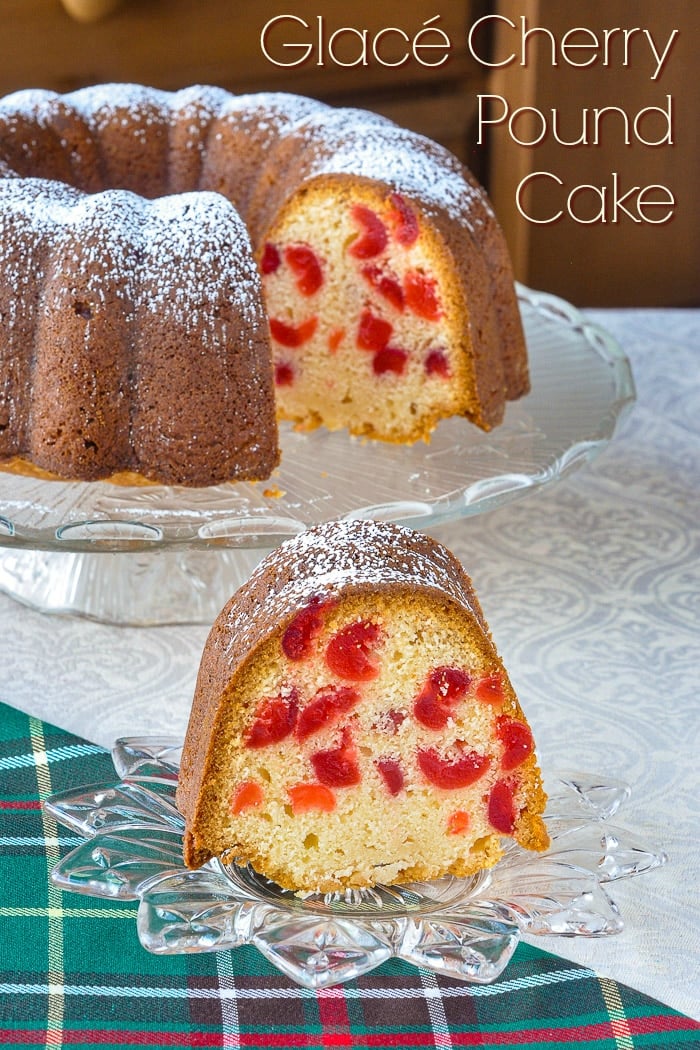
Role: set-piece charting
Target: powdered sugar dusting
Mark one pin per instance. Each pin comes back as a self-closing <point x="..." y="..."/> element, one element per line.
<point x="350" y="141"/>
<point x="34" y="102"/>
<point x="201" y="232"/>
<point x="331" y="558"/>
<point x="210" y="243"/>
<point x="357" y="142"/>
<point x="101" y="104"/>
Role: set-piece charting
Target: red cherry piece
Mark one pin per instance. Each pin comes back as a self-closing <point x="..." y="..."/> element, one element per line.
<point x="248" y="795"/>
<point x="516" y="739"/>
<point x="390" y="722"/>
<point x="452" y="773"/>
<point x="284" y="374"/>
<point x="390" y="359"/>
<point x="501" y="807"/>
<point x="349" y="654"/>
<point x="301" y="631"/>
<point x="392" y="774"/>
<point x="396" y="719"/>
<point x="373" y="332"/>
<point x="436" y="701"/>
<point x="436" y="364"/>
<point x="458" y="822"/>
<point x="335" y="338"/>
<point x="490" y="690"/>
<point x="293" y="335"/>
<point x="306" y="267"/>
<point x="431" y="710"/>
<point x="387" y="285"/>
<point x="450" y="682"/>
<point x="421" y="295"/>
<point x="275" y="718"/>
<point x="373" y="238"/>
<point x="337" y="767"/>
<point x="305" y="797"/>
<point x="324" y="708"/>
<point x="270" y="259"/>
<point x="404" y="221"/>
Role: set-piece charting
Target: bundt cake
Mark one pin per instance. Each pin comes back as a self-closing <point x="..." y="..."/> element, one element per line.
<point x="352" y="722"/>
<point x="133" y="335"/>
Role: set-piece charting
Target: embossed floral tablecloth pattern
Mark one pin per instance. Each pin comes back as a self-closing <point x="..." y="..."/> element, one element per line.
<point x="73" y="972"/>
<point x="592" y="591"/>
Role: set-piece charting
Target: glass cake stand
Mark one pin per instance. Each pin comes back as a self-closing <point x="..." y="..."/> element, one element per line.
<point x="467" y="928"/>
<point x="157" y="554"/>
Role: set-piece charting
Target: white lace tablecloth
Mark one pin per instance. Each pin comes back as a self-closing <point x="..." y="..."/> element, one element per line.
<point x="592" y="591"/>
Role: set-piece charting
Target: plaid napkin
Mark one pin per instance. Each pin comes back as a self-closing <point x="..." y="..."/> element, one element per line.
<point x="73" y="973"/>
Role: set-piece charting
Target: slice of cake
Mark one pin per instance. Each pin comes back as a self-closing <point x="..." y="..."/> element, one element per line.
<point x="353" y="723"/>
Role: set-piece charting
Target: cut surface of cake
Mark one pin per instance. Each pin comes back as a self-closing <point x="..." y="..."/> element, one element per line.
<point x="353" y="723"/>
<point x="364" y="334"/>
<point x="136" y="334"/>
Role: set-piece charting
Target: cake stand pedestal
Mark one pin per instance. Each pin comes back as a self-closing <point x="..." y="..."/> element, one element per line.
<point x="128" y="588"/>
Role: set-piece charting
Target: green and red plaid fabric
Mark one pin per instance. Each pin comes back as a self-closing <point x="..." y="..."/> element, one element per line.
<point x="73" y="973"/>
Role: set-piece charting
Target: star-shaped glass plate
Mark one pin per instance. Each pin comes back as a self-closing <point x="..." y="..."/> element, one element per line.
<point x="462" y="928"/>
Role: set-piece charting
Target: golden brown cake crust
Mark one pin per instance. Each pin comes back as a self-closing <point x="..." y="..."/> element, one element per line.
<point x="404" y="570"/>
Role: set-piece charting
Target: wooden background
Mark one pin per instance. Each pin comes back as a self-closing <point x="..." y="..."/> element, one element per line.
<point x="623" y="264"/>
<point x="173" y="43"/>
